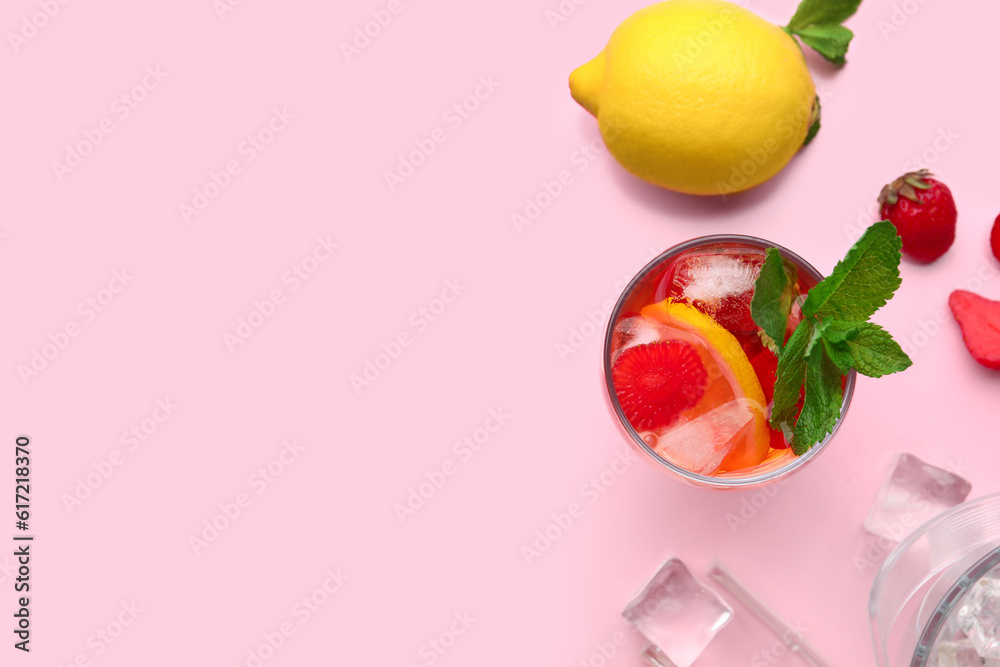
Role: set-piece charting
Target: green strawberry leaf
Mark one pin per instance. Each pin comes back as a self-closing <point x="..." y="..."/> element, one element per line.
<point x="875" y="353"/>
<point x="863" y="281"/>
<point x="789" y="377"/>
<point x="821" y="410"/>
<point x="831" y="41"/>
<point x="818" y="12"/>
<point x="772" y="298"/>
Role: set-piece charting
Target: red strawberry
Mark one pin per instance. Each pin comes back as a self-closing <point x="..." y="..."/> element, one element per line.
<point x="923" y="211"/>
<point x="778" y="440"/>
<point x="777" y="436"/>
<point x="995" y="238"/>
<point x="979" y="319"/>
<point x="766" y="365"/>
<point x="656" y="382"/>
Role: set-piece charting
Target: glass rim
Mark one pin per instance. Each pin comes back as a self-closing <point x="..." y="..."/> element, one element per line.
<point x="691" y="477"/>
<point x="977" y="519"/>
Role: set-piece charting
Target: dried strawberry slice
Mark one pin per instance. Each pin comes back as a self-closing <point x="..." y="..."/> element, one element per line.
<point x="656" y="382"/>
<point x="979" y="319"/>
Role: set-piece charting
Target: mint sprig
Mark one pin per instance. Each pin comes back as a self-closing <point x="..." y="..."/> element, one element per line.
<point x="863" y="281"/>
<point x="772" y="302"/>
<point x="822" y="405"/>
<point x="818" y="24"/>
<point x="834" y="335"/>
<point x="788" y="379"/>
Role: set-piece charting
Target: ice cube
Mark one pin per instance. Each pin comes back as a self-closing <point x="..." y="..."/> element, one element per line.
<point x="700" y="445"/>
<point x="677" y="613"/>
<point x="961" y="653"/>
<point x="952" y="630"/>
<point x="912" y="493"/>
<point x="636" y="330"/>
<point x="720" y="284"/>
<point x="979" y="616"/>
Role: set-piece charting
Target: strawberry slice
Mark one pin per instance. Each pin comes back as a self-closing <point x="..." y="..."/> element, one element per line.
<point x="979" y="319"/>
<point x="656" y="382"/>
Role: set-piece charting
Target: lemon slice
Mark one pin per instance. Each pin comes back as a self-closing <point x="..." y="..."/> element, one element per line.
<point x="753" y="443"/>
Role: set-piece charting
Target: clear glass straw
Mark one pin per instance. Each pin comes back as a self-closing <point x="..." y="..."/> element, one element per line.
<point x="792" y="639"/>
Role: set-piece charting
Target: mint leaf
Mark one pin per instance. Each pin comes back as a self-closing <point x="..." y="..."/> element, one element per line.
<point x="835" y="343"/>
<point x="875" y="353"/>
<point x="831" y="41"/>
<point x="769" y="343"/>
<point x="839" y="354"/>
<point x="789" y="377"/>
<point x="772" y="298"/>
<point x="821" y="410"/>
<point x="817" y="23"/>
<point x="838" y="331"/>
<point x="863" y="281"/>
<point x="817" y="12"/>
<point x="814" y="126"/>
<point x="816" y="341"/>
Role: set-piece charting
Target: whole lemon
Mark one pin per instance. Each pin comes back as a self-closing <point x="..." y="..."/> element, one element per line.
<point x="699" y="96"/>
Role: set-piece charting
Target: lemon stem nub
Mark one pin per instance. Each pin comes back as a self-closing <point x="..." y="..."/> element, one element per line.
<point x="586" y="83"/>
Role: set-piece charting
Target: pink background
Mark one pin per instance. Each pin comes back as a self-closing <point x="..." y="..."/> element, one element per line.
<point x="916" y="94"/>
